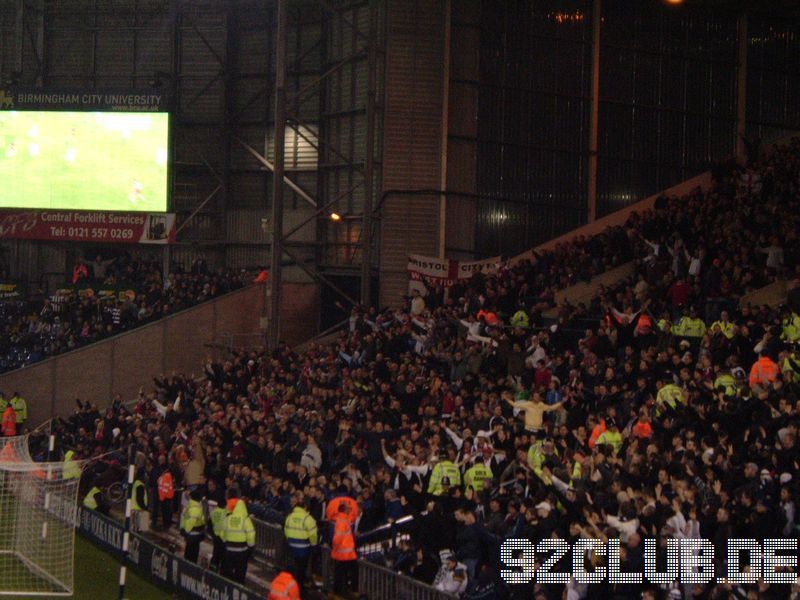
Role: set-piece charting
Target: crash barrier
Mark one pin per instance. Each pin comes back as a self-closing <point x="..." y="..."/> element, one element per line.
<point x="373" y="580"/>
<point x="161" y="565"/>
<point x="377" y="541"/>
<point x="271" y="543"/>
<point x="379" y="582"/>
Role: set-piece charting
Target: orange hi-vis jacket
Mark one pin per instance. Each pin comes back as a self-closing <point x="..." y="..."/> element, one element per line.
<point x="284" y="587"/>
<point x="642" y="430"/>
<point x="8" y="454"/>
<point x="598" y="430"/>
<point x="763" y="372"/>
<point x="332" y="509"/>
<point x="9" y="422"/>
<point x="489" y="316"/>
<point x="343" y="546"/>
<point x="166" y="487"/>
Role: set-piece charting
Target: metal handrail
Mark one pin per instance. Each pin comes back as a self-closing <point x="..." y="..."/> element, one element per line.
<point x="373" y="580"/>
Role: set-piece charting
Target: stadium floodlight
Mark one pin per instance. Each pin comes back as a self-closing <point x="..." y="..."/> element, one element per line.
<point x="38" y="515"/>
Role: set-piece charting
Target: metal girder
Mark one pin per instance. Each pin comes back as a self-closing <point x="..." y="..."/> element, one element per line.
<point x="321" y="211"/>
<point x="315" y="274"/>
<point x="208" y="45"/>
<point x="198" y="208"/>
<point x="326" y="5"/>
<point x="296" y="124"/>
<point x="366" y="232"/>
<point x="277" y="249"/>
<point x="263" y="160"/>
<point x="297" y="99"/>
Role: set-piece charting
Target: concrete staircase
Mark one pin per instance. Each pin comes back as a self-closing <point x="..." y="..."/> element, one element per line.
<point x="259" y="572"/>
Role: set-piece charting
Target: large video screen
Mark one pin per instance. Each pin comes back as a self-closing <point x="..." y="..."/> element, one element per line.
<point x="84" y="160"/>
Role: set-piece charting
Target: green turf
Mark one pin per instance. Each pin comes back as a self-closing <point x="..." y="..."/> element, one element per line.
<point x="97" y="576"/>
<point x="83" y="161"/>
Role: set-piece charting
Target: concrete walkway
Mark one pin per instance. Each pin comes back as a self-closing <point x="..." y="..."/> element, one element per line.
<point x="259" y="572"/>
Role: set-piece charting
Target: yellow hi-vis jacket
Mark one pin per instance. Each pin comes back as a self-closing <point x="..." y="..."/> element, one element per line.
<point x="669" y="395"/>
<point x="688" y="327"/>
<point x="20" y="407"/>
<point x="476" y="475"/>
<point x="72" y="469"/>
<point x="727" y="382"/>
<point x="135" y="495"/>
<point x="446" y="468"/>
<point x="239" y="531"/>
<point x="300" y="529"/>
<point x="218" y="516"/>
<point x="89" y="501"/>
<point x="193" y="521"/>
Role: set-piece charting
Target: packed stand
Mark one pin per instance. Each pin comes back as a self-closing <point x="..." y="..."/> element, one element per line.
<point x="464" y="414"/>
<point x="77" y="315"/>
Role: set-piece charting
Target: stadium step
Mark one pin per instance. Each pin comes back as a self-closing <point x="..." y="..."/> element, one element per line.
<point x="585" y="291"/>
<point x="772" y="295"/>
<point x="259" y="572"/>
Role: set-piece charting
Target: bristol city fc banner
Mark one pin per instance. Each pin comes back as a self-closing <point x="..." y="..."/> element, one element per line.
<point x="88" y="226"/>
<point x="446" y="273"/>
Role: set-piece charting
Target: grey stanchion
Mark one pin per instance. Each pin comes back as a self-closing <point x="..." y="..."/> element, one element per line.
<point x="127" y="533"/>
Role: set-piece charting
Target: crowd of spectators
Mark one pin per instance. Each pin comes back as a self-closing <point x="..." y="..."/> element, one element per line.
<point x="675" y="414"/>
<point x="105" y="297"/>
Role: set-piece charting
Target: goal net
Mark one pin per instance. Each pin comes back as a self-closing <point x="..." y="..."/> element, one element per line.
<point x="38" y="514"/>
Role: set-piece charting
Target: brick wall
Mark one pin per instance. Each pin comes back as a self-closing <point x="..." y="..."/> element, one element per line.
<point x="299" y="312"/>
<point x="124" y="363"/>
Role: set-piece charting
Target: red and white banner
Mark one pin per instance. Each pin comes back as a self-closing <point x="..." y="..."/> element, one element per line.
<point x="88" y="226"/>
<point x="446" y="273"/>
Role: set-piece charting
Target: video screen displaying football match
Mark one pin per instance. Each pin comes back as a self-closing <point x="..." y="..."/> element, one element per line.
<point x="113" y="161"/>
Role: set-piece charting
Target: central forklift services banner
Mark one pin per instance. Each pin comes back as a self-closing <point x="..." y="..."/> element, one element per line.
<point x="159" y="564"/>
<point x="88" y="226"/>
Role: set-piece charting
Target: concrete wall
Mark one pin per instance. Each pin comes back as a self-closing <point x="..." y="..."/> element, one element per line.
<point x="123" y="363"/>
<point x="299" y="312"/>
<point x="772" y="295"/>
<point x="703" y="181"/>
<point x="412" y="139"/>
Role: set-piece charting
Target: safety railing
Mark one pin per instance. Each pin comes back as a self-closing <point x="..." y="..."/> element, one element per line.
<point x="373" y="580"/>
<point x="271" y="543"/>
<point x="376" y="581"/>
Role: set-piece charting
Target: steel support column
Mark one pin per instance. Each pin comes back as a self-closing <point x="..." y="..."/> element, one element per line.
<point x="369" y="166"/>
<point x="19" y="34"/>
<point x="277" y="177"/>
<point x="741" y="89"/>
<point x="594" y="118"/>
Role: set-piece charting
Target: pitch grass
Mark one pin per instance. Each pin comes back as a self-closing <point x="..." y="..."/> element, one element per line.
<point x="83" y="160"/>
<point x="97" y="577"/>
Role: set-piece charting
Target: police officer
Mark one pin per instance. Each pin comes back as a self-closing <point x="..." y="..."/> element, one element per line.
<point x="444" y="474"/>
<point x="301" y="533"/>
<point x="193" y="526"/>
<point x="239" y="537"/>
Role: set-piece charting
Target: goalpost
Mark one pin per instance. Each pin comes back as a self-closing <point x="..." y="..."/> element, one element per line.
<point x="38" y="515"/>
